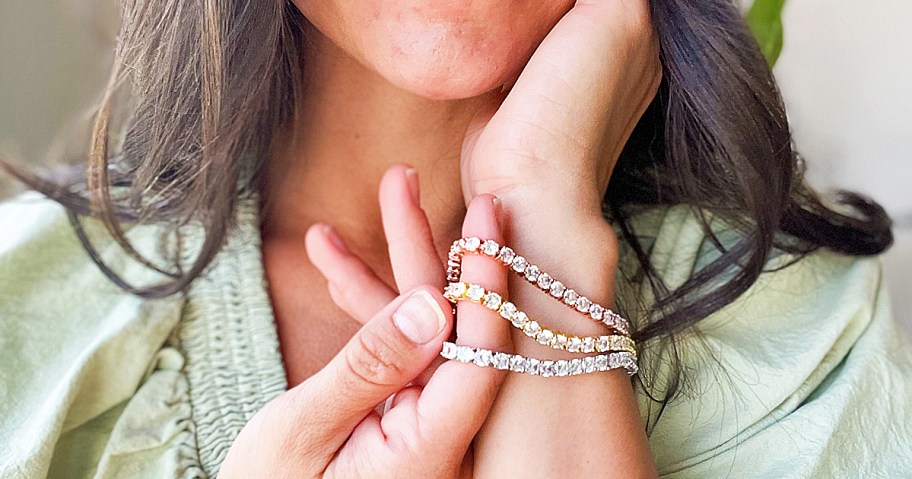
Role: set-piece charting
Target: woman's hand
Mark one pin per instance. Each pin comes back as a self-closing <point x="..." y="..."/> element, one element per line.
<point x="328" y="426"/>
<point x="548" y="152"/>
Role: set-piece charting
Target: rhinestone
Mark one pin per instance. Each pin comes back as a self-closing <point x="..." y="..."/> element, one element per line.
<point x="507" y="310"/>
<point x="475" y="292"/>
<point x="560" y="340"/>
<point x="557" y="289"/>
<point x="449" y="351"/>
<point x="519" y="319"/>
<point x="465" y="354"/>
<point x="589" y="364"/>
<point x="546" y="369"/>
<point x="570" y="297"/>
<point x="601" y="362"/>
<point x="518" y="364"/>
<point x="574" y="344"/>
<point x="562" y="367"/>
<point x="588" y="345"/>
<point x="614" y="361"/>
<point x="532" y="365"/>
<point x="544" y="281"/>
<point x="501" y="361"/>
<point x="596" y="312"/>
<point x="492" y="301"/>
<point x="472" y="244"/>
<point x="507" y="255"/>
<point x="520" y="264"/>
<point x="583" y="304"/>
<point x="603" y="344"/>
<point x="545" y="337"/>
<point x="532" y="328"/>
<point x="483" y="357"/>
<point x="576" y="367"/>
<point x="532" y="273"/>
<point x="456" y="290"/>
<point x="615" y="343"/>
<point x="490" y="248"/>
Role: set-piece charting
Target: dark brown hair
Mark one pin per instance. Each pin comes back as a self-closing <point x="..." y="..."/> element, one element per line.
<point x="211" y="82"/>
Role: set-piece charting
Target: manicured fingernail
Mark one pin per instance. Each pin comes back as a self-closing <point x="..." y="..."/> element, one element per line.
<point x="334" y="238"/>
<point x="420" y="318"/>
<point x="411" y="176"/>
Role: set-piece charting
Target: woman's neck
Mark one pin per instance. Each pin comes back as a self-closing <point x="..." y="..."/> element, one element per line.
<point x="353" y="125"/>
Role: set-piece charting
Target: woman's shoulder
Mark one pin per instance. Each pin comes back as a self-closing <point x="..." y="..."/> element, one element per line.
<point x="73" y="347"/>
<point x="808" y="362"/>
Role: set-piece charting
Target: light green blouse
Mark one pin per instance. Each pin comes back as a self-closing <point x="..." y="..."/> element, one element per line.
<point x="811" y="376"/>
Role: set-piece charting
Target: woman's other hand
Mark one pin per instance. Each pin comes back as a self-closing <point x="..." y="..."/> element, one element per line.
<point x="551" y="146"/>
<point x="329" y="425"/>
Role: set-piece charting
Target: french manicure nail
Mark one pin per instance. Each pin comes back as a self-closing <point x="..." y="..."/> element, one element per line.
<point x="420" y="317"/>
<point x="334" y="238"/>
<point x="411" y="176"/>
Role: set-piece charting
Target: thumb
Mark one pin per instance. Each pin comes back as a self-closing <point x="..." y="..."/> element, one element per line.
<point x="386" y="354"/>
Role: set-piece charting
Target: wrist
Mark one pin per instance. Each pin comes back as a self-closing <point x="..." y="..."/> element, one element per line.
<point x="579" y="250"/>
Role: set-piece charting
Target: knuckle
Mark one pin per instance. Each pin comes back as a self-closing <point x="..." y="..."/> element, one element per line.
<point x="376" y="360"/>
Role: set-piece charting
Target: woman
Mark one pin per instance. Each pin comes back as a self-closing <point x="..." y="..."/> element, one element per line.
<point x="637" y="150"/>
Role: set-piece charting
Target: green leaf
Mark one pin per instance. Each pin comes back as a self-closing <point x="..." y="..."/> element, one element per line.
<point x="765" y="20"/>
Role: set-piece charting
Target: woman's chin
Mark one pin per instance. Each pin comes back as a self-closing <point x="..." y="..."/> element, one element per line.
<point x="467" y="81"/>
<point x="448" y="64"/>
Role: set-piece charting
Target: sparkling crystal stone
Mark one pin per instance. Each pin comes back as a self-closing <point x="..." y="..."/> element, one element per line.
<point x="449" y="351"/>
<point x="507" y="310"/>
<point x="465" y="354"/>
<point x="588" y="345"/>
<point x="570" y="297"/>
<point x="557" y="289"/>
<point x="507" y="255"/>
<point x="615" y="343"/>
<point x="560" y="340"/>
<point x="615" y="361"/>
<point x="518" y="364"/>
<point x="603" y="344"/>
<point x="562" y="367"/>
<point x="475" y="292"/>
<point x="576" y="367"/>
<point x="472" y="244"/>
<point x="601" y="362"/>
<point x="574" y="344"/>
<point x="532" y="365"/>
<point x="596" y="312"/>
<point x="532" y="328"/>
<point x="520" y="264"/>
<point x="502" y="361"/>
<point x="545" y="337"/>
<point x="546" y="369"/>
<point x="544" y="281"/>
<point x="589" y="364"/>
<point x="483" y="357"/>
<point x="492" y="301"/>
<point x="457" y="289"/>
<point x="532" y="273"/>
<point x="583" y="304"/>
<point x="490" y="248"/>
<point x="519" y="319"/>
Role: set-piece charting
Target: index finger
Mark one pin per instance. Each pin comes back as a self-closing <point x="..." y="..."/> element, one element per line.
<point x="466" y="391"/>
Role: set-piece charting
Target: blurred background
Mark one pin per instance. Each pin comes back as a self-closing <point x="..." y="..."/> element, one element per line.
<point x="845" y="72"/>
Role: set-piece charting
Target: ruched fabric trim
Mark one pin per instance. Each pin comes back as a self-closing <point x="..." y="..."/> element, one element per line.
<point x="229" y="339"/>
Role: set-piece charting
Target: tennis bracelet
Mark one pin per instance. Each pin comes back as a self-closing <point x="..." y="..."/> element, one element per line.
<point x="619" y="349"/>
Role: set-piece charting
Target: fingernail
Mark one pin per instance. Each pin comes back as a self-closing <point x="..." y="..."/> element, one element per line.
<point x="411" y="176"/>
<point x="334" y="238"/>
<point x="420" y="318"/>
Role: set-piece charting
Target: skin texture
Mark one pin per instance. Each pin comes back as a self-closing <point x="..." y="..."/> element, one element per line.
<point x="545" y="148"/>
